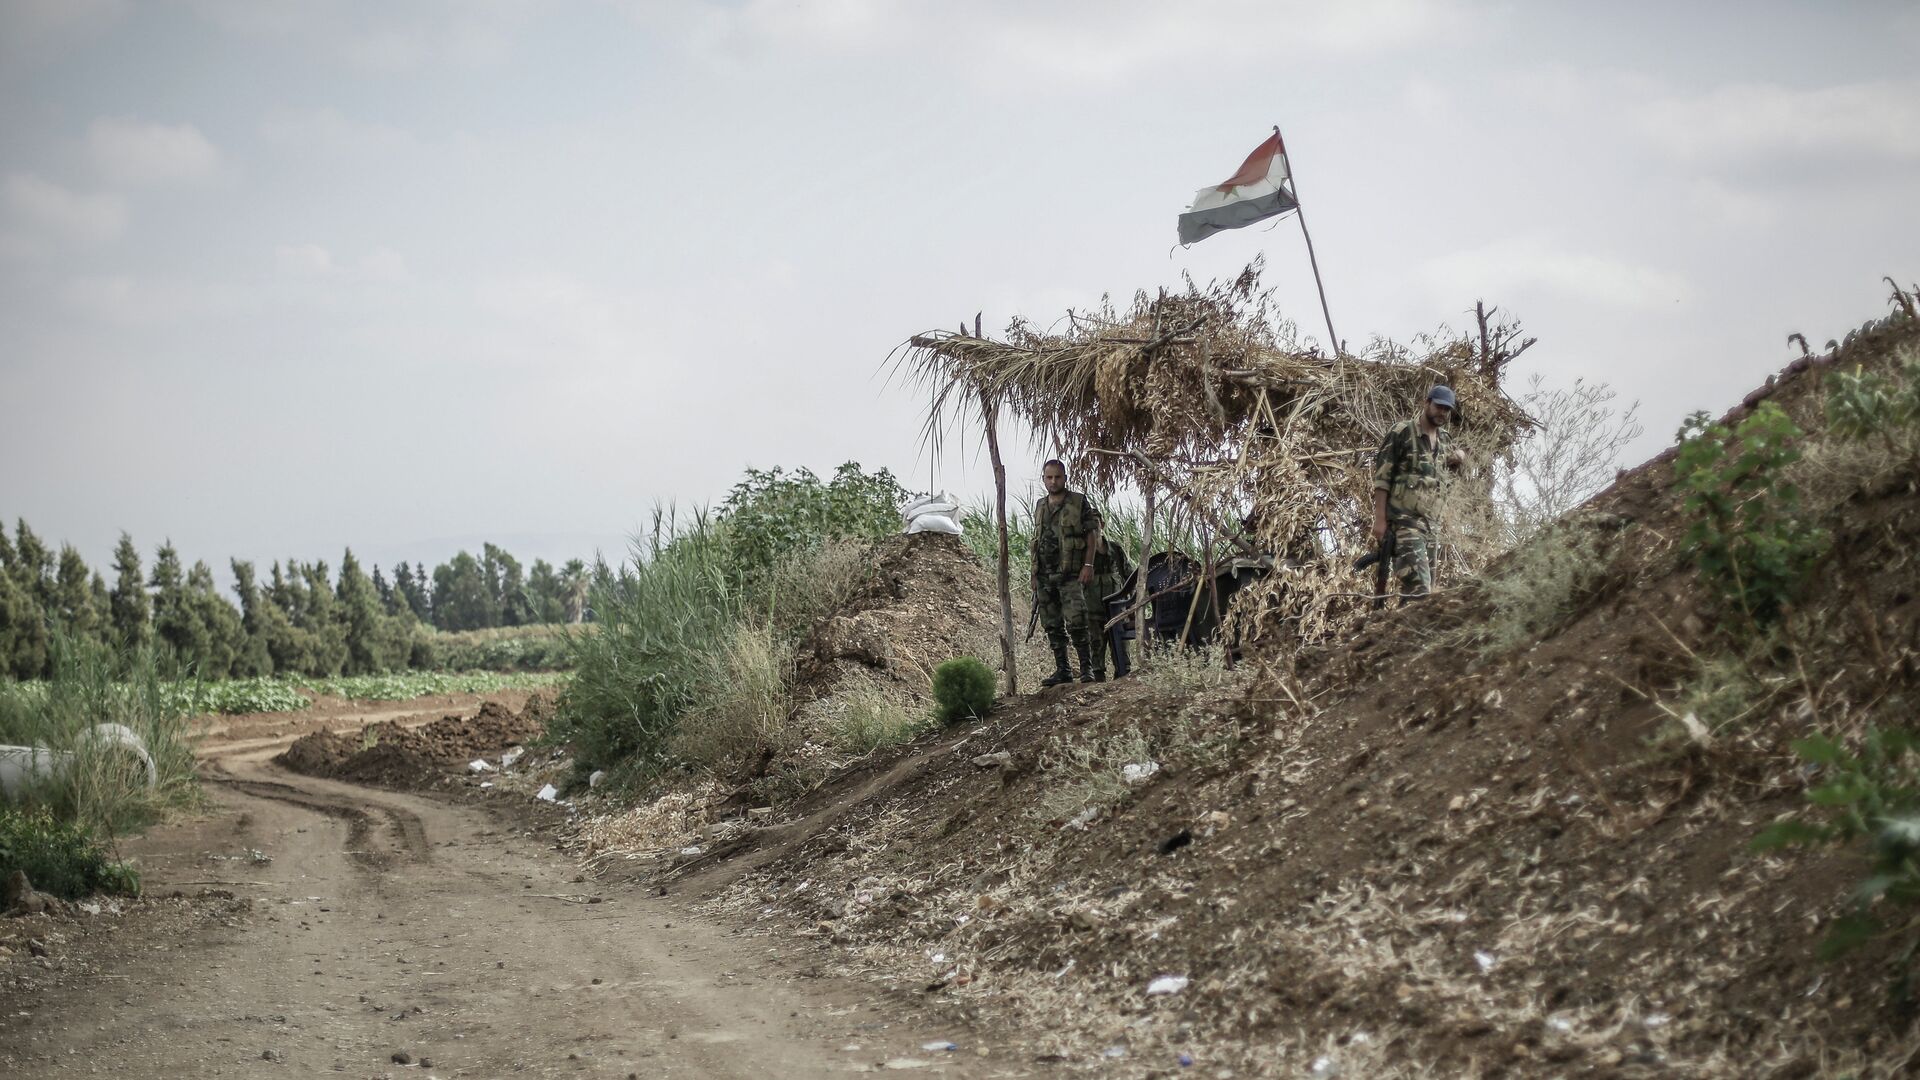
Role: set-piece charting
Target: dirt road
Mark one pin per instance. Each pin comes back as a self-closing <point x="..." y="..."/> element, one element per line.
<point x="393" y="932"/>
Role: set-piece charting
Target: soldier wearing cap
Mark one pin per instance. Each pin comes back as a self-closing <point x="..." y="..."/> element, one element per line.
<point x="1071" y="577"/>
<point x="1407" y="487"/>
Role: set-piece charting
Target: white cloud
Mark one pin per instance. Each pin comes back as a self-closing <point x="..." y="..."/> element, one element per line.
<point x="385" y="266"/>
<point x="382" y="266"/>
<point x="1052" y="41"/>
<point x="39" y="212"/>
<point x="330" y="133"/>
<point x="303" y="260"/>
<point x="127" y="300"/>
<point x="1769" y="123"/>
<point x="128" y="151"/>
<point x="1521" y="266"/>
<point x="34" y="31"/>
<point x="391" y="37"/>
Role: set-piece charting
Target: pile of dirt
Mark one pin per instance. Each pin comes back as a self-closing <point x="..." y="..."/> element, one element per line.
<point x="928" y="599"/>
<point x="1406" y="855"/>
<point x="393" y="754"/>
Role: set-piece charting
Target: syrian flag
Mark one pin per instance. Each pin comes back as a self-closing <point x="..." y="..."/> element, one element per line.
<point x="1258" y="191"/>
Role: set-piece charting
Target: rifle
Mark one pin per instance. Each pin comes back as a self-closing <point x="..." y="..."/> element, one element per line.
<point x="1383" y="568"/>
<point x="1033" y="619"/>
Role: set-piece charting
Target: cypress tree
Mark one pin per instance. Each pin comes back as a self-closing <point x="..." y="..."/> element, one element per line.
<point x="256" y="655"/>
<point x="175" y="629"/>
<point x="220" y="639"/>
<point x="131" y="607"/>
<point x="75" y="606"/>
<point x="360" y="615"/>
<point x="23" y="631"/>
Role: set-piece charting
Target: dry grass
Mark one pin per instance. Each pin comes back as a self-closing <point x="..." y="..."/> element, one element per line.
<point x="746" y="714"/>
<point x="861" y="719"/>
<point x="1540" y="586"/>
<point x="817" y="582"/>
<point x="654" y="829"/>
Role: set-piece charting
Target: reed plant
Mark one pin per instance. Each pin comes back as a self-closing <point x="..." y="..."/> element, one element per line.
<point x="91" y="780"/>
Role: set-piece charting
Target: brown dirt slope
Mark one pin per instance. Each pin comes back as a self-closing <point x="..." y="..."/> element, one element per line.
<point x="928" y="600"/>
<point x="1405" y="855"/>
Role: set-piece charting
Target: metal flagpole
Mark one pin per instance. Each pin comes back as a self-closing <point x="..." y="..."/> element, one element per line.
<point x="1301" y="213"/>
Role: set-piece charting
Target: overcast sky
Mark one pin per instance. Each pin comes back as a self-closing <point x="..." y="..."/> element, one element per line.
<point x="278" y="278"/>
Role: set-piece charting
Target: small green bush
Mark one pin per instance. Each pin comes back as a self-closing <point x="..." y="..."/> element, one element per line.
<point x="1748" y="537"/>
<point x="962" y="688"/>
<point x="58" y="857"/>
<point x="1871" y="796"/>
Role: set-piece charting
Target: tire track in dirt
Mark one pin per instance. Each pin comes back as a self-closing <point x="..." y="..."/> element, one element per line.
<point x="387" y="922"/>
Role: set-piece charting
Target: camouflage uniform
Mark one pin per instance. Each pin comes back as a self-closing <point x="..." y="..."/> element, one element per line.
<point x="1409" y="469"/>
<point x="1068" y="608"/>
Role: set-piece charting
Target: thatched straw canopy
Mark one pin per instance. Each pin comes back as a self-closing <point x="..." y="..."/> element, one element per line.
<point x="1208" y="394"/>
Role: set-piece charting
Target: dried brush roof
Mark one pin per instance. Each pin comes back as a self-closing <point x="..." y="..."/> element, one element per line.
<point x="1209" y="394"/>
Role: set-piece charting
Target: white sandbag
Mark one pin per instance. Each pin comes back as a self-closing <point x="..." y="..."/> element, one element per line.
<point x="943" y="503"/>
<point x="934" y="523"/>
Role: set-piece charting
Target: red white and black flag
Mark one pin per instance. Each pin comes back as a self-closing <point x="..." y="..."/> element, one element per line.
<point x="1258" y="191"/>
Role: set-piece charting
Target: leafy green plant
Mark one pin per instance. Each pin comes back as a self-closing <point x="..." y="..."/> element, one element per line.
<point x="963" y="688"/>
<point x="1864" y="404"/>
<point x="60" y="857"/>
<point x="1747" y="536"/>
<point x="1871" y="796"/>
<point x="772" y="513"/>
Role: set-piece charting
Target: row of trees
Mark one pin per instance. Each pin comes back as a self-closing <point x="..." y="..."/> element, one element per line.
<point x="302" y="618"/>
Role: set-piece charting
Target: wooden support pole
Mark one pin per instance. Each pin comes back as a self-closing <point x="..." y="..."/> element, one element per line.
<point x="989" y="415"/>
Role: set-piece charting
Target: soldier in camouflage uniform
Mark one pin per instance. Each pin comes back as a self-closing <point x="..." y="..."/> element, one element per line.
<point x="1066" y="585"/>
<point x="1407" y="487"/>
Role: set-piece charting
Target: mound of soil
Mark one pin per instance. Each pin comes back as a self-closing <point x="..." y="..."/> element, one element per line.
<point x="929" y="599"/>
<point x="397" y="755"/>
<point x="1405" y="855"/>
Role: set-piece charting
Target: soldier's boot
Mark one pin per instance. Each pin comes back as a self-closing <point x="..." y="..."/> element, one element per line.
<point x="1088" y="673"/>
<point x="1062" y="674"/>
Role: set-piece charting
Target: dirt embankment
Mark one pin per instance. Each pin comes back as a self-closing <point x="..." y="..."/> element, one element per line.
<point x="1405" y="855"/>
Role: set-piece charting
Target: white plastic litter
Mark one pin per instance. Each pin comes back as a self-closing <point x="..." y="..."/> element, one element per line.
<point x="479" y="765"/>
<point x="1166" y="984"/>
<point x="940" y="1044"/>
<point x="21" y="766"/>
<point x="1324" y="1068"/>
<point x="1134" y="774"/>
<point x="486" y="784"/>
<point x="512" y="755"/>
<point x="1082" y="819"/>
<point x="1485" y="960"/>
<point x="548" y="793"/>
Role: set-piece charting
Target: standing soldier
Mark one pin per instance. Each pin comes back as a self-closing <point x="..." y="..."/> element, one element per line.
<point x="1066" y="590"/>
<point x="1407" y="488"/>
